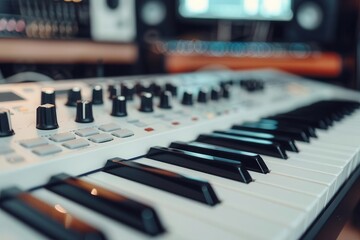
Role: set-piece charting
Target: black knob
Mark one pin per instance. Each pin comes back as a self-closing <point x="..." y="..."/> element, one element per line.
<point x="226" y="91"/>
<point x="5" y="123"/>
<point x="172" y="88"/>
<point x="146" y="104"/>
<point x="74" y="95"/>
<point x="119" y="107"/>
<point x="46" y="118"/>
<point x="144" y="87"/>
<point x="128" y="91"/>
<point x="156" y="89"/>
<point x="47" y="96"/>
<point x="165" y="100"/>
<point x="84" y="113"/>
<point x="187" y="99"/>
<point x="202" y="96"/>
<point x="226" y="83"/>
<point x="216" y="93"/>
<point x="114" y="91"/>
<point x="252" y="85"/>
<point x="97" y="95"/>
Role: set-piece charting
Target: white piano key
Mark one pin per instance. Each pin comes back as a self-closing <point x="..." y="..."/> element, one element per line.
<point x="12" y="228"/>
<point x="309" y="165"/>
<point x="225" y="216"/>
<point x="348" y="143"/>
<point x="338" y="137"/>
<point x="327" y="145"/>
<point x="345" y="167"/>
<point x="338" y="146"/>
<point x="320" y="191"/>
<point x="177" y="225"/>
<point x="305" y="174"/>
<point x="290" y="198"/>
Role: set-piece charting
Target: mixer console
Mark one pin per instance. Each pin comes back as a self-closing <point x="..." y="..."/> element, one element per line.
<point x="297" y="141"/>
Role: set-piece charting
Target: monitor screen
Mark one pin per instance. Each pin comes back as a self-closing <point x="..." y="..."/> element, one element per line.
<point x="273" y="10"/>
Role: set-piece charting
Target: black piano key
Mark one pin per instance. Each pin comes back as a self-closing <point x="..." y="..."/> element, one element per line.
<point x="259" y="146"/>
<point x="127" y="211"/>
<point x="52" y="221"/>
<point x="316" y="123"/>
<point x="328" y="111"/>
<point x="222" y="167"/>
<point x="313" y="114"/>
<point x="320" y="114"/>
<point x="279" y="131"/>
<point x="285" y="142"/>
<point x="252" y="161"/>
<point x="310" y="130"/>
<point x="302" y="132"/>
<point x="197" y="190"/>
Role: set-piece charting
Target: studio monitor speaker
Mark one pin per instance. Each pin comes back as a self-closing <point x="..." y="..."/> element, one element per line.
<point x="314" y="20"/>
<point x="155" y="19"/>
<point x="113" y="20"/>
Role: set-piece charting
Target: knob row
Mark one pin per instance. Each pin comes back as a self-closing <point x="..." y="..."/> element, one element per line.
<point x="203" y="96"/>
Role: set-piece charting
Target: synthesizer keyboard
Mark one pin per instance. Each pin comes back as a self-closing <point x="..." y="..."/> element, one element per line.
<point x="215" y="155"/>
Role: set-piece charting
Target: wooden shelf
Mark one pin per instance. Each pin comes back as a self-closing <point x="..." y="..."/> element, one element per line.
<point x="66" y="52"/>
<point x="317" y="64"/>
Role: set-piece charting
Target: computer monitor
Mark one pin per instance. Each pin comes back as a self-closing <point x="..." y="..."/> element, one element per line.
<point x="269" y="10"/>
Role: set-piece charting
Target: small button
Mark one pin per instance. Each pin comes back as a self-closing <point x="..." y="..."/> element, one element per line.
<point x="140" y="124"/>
<point x="109" y="127"/>
<point x="5" y="150"/>
<point x="159" y="116"/>
<point x="86" y="132"/>
<point x="46" y="150"/>
<point x="62" y="137"/>
<point x="133" y="120"/>
<point x="75" y="144"/>
<point x="101" y="138"/>
<point x="149" y="129"/>
<point x="35" y="142"/>
<point x="15" y="159"/>
<point x="123" y="133"/>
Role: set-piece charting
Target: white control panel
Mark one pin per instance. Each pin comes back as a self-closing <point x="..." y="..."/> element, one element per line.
<point x="81" y="138"/>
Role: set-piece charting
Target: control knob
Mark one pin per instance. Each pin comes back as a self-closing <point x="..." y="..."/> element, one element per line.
<point x="119" y="107"/>
<point x="84" y="112"/>
<point x="46" y="118"/>
<point x="114" y="91"/>
<point x="5" y="123"/>
<point x="47" y="96"/>
<point x="215" y="93"/>
<point x="187" y="99"/>
<point x="226" y="91"/>
<point x="74" y="95"/>
<point x="172" y="88"/>
<point x="128" y="91"/>
<point x="165" y="100"/>
<point x="202" y="96"/>
<point x="146" y="104"/>
<point x="97" y="95"/>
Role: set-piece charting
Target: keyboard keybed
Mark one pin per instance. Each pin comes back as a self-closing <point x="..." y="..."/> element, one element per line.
<point x="266" y="178"/>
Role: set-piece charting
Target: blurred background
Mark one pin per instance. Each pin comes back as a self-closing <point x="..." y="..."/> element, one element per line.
<point x="65" y="39"/>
